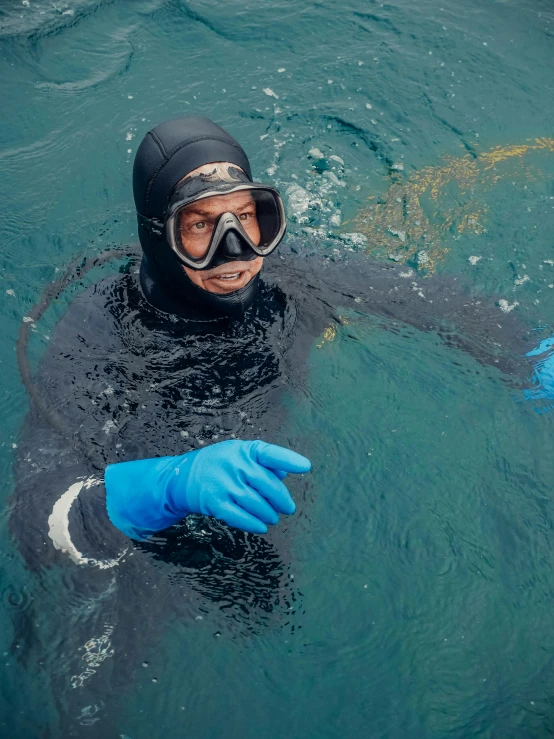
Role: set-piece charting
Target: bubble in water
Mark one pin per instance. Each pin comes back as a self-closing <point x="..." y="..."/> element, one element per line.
<point x="299" y="200"/>
<point x="356" y="239"/>
<point x="422" y="258"/>
<point x="505" y="306"/>
<point x="316" y="153"/>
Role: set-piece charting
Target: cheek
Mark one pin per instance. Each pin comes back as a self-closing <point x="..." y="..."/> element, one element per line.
<point x="193" y="249"/>
<point x="253" y="231"/>
<point x="194" y="276"/>
<point x="255" y="266"/>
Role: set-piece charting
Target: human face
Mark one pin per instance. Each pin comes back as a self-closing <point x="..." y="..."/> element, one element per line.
<point x="196" y="225"/>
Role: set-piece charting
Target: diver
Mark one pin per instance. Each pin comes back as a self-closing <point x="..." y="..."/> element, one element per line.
<point x="204" y="240"/>
<point x="142" y="453"/>
<point x="205" y="228"/>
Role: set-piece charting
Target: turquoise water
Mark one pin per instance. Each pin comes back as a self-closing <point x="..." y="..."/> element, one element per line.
<point x="423" y="134"/>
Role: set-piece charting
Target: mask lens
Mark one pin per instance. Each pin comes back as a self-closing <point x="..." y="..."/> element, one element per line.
<point x="268" y="218"/>
<point x="257" y="211"/>
<point x="195" y="224"/>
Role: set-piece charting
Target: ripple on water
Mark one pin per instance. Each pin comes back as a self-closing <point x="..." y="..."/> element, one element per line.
<point x="17" y="598"/>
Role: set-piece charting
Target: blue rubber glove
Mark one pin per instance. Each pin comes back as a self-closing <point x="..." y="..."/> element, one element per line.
<point x="239" y="482"/>
<point x="543" y="372"/>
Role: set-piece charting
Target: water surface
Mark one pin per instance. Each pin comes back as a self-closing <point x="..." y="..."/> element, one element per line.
<point x="421" y="133"/>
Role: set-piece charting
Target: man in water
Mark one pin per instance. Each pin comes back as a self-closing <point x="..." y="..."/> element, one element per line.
<point x="153" y="482"/>
<point x="204" y="239"/>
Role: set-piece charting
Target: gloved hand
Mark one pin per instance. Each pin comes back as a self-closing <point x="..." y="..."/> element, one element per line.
<point x="239" y="482"/>
<point x="543" y="372"/>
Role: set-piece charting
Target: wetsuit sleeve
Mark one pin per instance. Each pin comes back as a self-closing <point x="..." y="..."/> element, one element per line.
<point x="440" y="304"/>
<point x="58" y="510"/>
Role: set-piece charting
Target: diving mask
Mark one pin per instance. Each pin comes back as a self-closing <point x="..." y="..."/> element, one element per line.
<point x="207" y="210"/>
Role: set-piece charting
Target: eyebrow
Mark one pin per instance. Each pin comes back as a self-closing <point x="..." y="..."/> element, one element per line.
<point x="195" y="211"/>
<point x="200" y="212"/>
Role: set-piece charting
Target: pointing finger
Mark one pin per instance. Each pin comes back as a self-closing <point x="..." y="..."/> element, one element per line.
<point x="280" y="458"/>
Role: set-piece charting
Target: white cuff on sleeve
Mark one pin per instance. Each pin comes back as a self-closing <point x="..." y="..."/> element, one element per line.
<point x="58" y="526"/>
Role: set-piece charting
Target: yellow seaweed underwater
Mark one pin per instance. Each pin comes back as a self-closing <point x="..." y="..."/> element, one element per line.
<point x="419" y="217"/>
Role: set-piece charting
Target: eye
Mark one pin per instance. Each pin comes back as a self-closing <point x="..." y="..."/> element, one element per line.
<point x="200" y="225"/>
<point x="246" y="216"/>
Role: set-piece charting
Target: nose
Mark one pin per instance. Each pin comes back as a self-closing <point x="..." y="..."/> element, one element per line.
<point x="232" y="248"/>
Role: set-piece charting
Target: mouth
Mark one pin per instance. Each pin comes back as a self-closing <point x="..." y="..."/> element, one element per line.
<point x="229" y="281"/>
<point x="229" y="278"/>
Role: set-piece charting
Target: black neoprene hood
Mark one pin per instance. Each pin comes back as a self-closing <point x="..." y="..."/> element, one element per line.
<point x="172" y="150"/>
<point x="166" y="154"/>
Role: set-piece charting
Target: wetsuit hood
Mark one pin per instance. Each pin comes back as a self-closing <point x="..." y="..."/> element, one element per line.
<point x="166" y="154"/>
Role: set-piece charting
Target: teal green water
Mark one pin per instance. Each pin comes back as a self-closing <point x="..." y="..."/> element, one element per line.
<point x="425" y="555"/>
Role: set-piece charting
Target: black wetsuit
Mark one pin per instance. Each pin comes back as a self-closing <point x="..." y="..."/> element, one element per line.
<point x="131" y="381"/>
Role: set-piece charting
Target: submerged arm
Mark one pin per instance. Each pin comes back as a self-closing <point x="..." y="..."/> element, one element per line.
<point x="440" y="304"/>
